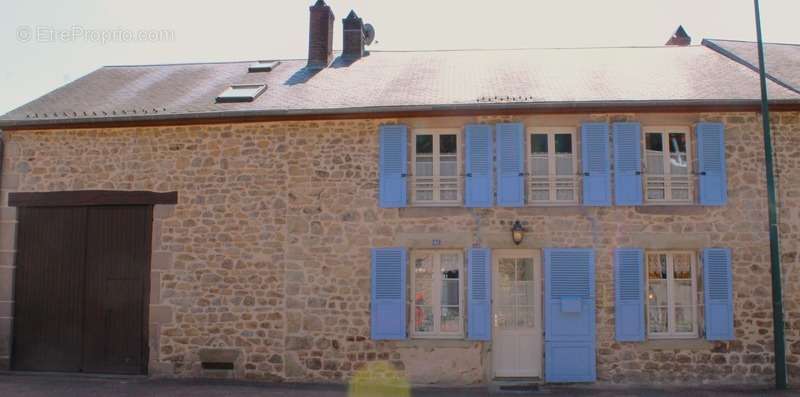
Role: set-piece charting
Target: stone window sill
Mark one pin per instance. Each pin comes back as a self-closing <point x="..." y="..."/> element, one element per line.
<point x="436" y="343"/>
<point x="675" y="344"/>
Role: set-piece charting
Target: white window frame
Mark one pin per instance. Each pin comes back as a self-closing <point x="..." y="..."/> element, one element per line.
<point x="671" y="333"/>
<point x="667" y="151"/>
<point x="436" y="291"/>
<point x="551" y="166"/>
<point x="436" y="201"/>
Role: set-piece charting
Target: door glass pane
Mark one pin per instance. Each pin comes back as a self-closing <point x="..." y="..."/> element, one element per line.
<point x="682" y="266"/>
<point x="504" y="317"/>
<point x="525" y="317"/>
<point x="524" y="269"/>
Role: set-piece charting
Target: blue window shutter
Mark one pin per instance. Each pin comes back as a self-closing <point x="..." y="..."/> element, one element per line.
<point x="718" y="284"/>
<point x="627" y="163"/>
<point x="479" y="298"/>
<point x="596" y="164"/>
<point x="569" y="315"/>
<point x="478" y="181"/>
<point x="393" y="164"/>
<point x="629" y="294"/>
<point x="388" y="305"/>
<point x="711" y="159"/>
<point x="510" y="165"/>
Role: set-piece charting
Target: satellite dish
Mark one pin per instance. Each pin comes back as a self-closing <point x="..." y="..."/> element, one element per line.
<point x="369" y="34"/>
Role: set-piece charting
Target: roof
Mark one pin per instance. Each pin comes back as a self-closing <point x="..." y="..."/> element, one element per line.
<point x="782" y="60"/>
<point x="410" y="81"/>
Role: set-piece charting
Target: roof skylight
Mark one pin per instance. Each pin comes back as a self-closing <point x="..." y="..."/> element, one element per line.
<point x="241" y="93"/>
<point x="263" y="66"/>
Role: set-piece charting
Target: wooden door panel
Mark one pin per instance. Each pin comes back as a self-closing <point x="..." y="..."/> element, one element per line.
<point x="117" y="266"/>
<point x="48" y="292"/>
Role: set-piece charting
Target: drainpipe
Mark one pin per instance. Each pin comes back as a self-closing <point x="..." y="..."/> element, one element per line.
<point x="774" y="237"/>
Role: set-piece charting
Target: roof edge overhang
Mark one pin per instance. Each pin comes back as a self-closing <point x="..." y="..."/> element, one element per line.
<point x="448" y="110"/>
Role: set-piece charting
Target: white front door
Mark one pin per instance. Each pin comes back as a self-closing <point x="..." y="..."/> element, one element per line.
<point x="517" y="308"/>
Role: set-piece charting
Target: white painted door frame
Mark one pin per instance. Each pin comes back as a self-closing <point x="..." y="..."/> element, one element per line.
<point x="517" y="351"/>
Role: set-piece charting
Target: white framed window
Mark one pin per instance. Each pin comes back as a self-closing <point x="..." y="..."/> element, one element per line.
<point x="436" y="165"/>
<point x="667" y="165"/>
<point x="552" y="166"/>
<point x="437" y="291"/>
<point x="672" y="308"/>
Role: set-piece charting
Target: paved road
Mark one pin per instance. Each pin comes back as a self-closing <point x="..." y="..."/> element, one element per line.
<point x="25" y="385"/>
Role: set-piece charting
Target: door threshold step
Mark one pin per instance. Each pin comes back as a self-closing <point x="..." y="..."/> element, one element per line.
<point x="517" y="386"/>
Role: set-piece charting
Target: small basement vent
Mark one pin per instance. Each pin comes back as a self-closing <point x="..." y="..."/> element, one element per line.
<point x="241" y="93"/>
<point x="263" y="66"/>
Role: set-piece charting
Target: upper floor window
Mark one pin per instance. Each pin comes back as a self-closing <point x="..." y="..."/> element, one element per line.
<point x="671" y="295"/>
<point x="552" y="166"/>
<point x="436" y="164"/>
<point x="438" y="294"/>
<point x="668" y="176"/>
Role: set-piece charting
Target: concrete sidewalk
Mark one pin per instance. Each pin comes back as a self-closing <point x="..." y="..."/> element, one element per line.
<point x="36" y="385"/>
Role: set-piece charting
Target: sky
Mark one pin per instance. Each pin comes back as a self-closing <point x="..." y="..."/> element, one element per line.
<point x="48" y="43"/>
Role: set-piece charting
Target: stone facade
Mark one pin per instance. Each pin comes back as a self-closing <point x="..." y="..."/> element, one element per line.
<point x="268" y="250"/>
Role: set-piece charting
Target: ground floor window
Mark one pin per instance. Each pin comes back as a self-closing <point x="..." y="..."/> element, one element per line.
<point x="672" y="310"/>
<point x="437" y="293"/>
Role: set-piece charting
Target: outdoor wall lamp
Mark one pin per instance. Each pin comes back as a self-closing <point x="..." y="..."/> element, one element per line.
<point x="517" y="232"/>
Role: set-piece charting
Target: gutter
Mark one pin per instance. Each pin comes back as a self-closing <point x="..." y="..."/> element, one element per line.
<point x="463" y="109"/>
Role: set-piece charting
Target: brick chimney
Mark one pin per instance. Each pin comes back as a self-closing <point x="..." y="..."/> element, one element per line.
<point x="353" y="36"/>
<point x="320" y="35"/>
<point x="679" y="38"/>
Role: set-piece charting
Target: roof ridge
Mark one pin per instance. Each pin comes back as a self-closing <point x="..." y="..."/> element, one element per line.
<point x="536" y="48"/>
<point x="201" y="63"/>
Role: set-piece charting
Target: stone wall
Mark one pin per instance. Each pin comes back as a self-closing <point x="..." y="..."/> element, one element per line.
<point x="267" y="251"/>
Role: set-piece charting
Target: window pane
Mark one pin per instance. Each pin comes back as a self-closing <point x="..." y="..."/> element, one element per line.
<point x="539" y="143"/>
<point x="657" y="266"/>
<point x="657" y="293"/>
<point x="679" y="164"/>
<point x="684" y="320"/>
<point x="423" y="319"/>
<point x="424" y="144"/>
<point x="682" y="266"/>
<point x="657" y="319"/>
<point x="448" y="144"/>
<point x="451" y="319"/>
<point x="654" y="153"/>
<point x="423" y="280"/>
<point x="424" y="166"/>
<point x="563" y="143"/>
<point x="682" y="292"/>
<point x="448" y="165"/>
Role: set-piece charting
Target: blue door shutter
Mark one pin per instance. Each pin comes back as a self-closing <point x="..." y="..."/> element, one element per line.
<point x="629" y="294"/>
<point x="569" y="315"/>
<point x="711" y="159"/>
<point x="596" y="165"/>
<point x="479" y="303"/>
<point x="510" y="165"/>
<point x="393" y="163"/>
<point x="478" y="181"/>
<point x="718" y="284"/>
<point x="627" y="163"/>
<point x="388" y="305"/>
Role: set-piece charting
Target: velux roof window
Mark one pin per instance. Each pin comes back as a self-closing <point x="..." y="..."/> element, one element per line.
<point x="241" y="93"/>
<point x="263" y="66"/>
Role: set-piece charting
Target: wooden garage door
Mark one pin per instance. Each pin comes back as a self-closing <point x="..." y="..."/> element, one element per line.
<point x="81" y="289"/>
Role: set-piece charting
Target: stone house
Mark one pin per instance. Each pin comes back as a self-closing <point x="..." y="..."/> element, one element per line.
<point x="439" y="217"/>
